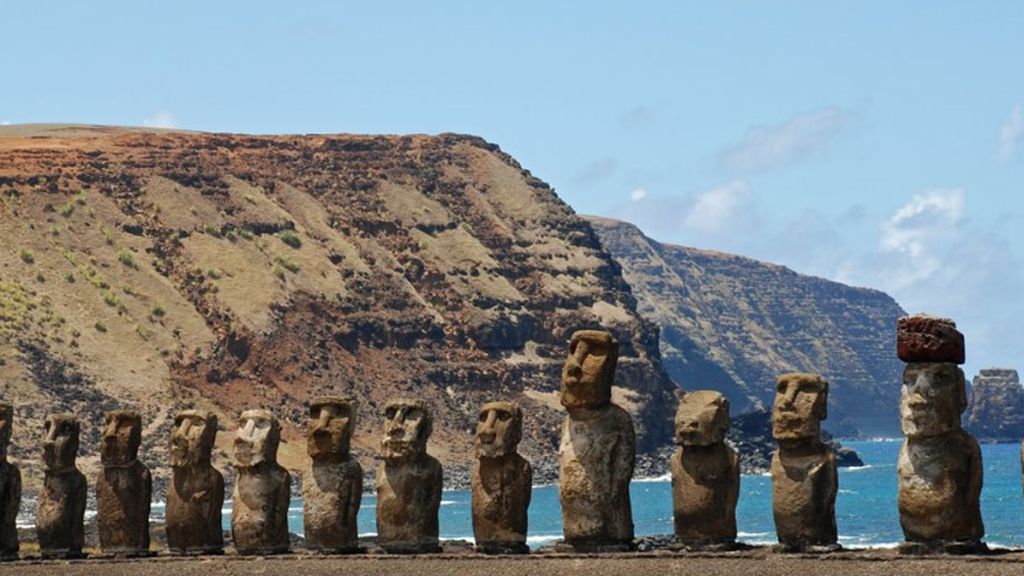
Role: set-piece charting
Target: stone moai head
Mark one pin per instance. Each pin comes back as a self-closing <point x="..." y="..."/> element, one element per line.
<point x="122" y="436"/>
<point x="498" y="429"/>
<point x="932" y="398"/>
<point x="801" y="403"/>
<point x="407" y="425"/>
<point x="193" y="437"/>
<point x="702" y="418"/>
<point x="331" y="423"/>
<point x="589" y="370"/>
<point x="60" y="442"/>
<point x="257" y="438"/>
<point x="6" y="427"/>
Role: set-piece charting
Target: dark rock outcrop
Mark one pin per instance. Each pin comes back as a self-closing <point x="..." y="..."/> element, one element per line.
<point x="996" y="409"/>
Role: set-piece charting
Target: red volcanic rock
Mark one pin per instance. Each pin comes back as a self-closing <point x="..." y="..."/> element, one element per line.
<point x="924" y="338"/>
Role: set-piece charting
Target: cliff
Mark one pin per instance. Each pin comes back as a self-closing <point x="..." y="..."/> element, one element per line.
<point x="996" y="408"/>
<point x="734" y="324"/>
<point x="157" y="270"/>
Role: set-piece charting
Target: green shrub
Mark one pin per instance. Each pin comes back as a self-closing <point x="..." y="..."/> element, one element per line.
<point x="125" y="257"/>
<point x="287" y="264"/>
<point x="290" y="238"/>
<point x="158" y="311"/>
<point x="26" y="256"/>
<point x="67" y="210"/>
<point x="80" y="198"/>
<point x="100" y="326"/>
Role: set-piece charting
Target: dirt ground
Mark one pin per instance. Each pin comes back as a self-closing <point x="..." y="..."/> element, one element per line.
<point x="747" y="563"/>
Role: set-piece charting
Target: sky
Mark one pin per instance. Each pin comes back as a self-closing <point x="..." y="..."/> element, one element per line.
<point x="880" y="144"/>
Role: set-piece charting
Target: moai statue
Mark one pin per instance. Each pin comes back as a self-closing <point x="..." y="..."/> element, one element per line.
<point x="939" y="467"/>
<point x="408" y="481"/>
<point x="259" y="513"/>
<point x="333" y="486"/>
<point x="124" y="487"/>
<point x="705" y="473"/>
<point x="61" y="513"/>
<point x="597" y="450"/>
<point x="501" y="481"/>
<point x="10" y="488"/>
<point x="804" y="478"/>
<point x="196" y="494"/>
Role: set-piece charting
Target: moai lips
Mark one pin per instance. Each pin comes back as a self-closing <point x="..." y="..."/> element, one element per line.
<point x="61" y="511"/>
<point x="923" y="338"/>
<point x="333" y="486"/>
<point x="124" y="487"/>
<point x="259" y="515"/>
<point x="597" y="451"/>
<point x="705" y="473"/>
<point x="804" y="476"/>
<point x="408" y="481"/>
<point x="196" y="494"/>
<point x="501" y="481"/>
<point x="10" y="489"/>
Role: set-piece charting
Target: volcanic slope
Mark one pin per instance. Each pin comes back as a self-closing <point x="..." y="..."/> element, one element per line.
<point x="160" y="269"/>
<point x="734" y="324"/>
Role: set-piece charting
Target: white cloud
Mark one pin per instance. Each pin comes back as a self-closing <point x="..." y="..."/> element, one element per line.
<point x="161" y="119"/>
<point x="1011" y="133"/>
<point x="768" y="147"/>
<point x="919" y="232"/>
<point x="5" y="123"/>
<point x="638" y="194"/>
<point x="714" y="208"/>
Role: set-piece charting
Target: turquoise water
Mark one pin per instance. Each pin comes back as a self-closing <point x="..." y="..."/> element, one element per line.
<point x="866" y="511"/>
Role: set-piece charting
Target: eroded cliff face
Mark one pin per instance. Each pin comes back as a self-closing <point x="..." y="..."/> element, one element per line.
<point x="996" y="409"/>
<point x="734" y="324"/>
<point x="157" y="270"/>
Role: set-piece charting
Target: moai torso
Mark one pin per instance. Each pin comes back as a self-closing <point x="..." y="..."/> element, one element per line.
<point x="10" y="489"/>
<point x="61" y="512"/>
<point x="123" y="488"/>
<point x="195" y="496"/>
<point x="705" y="472"/>
<point x="409" y="481"/>
<point x="804" y="477"/>
<point x="333" y="486"/>
<point x="501" y="481"/>
<point x="597" y="451"/>
<point x="939" y="469"/>
<point x="259" y="513"/>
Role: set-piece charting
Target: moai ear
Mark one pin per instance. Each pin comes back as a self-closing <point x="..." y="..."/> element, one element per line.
<point x="961" y="391"/>
<point x="823" y="401"/>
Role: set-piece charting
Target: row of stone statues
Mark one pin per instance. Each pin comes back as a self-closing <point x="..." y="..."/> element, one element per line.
<point x="939" y="470"/>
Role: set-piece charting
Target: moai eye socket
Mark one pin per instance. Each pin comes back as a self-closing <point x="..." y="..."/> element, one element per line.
<point x="390" y="412"/>
<point x="414" y="414"/>
<point x="504" y="415"/>
<point x="484" y="415"/>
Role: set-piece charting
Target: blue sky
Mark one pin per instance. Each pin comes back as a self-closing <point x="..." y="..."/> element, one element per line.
<point x="877" y="143"/>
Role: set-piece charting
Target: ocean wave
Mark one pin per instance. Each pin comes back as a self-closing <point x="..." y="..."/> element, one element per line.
<point x="542" y="539"/>
<point x="666" y="477"/>
<point x="752" y="534"/>
<point x="857" y="468"/>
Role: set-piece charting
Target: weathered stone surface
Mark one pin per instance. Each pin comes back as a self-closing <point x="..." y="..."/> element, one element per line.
<point x="196" y="494"/>
<point x="259" y="514"/>
<point x="804" y="478"/>
<point x="409" y="481"/>
<point x="940" y="471"/>
<point x="996" y="409"/>
<point x="597" y="451"/>
<point x="10" y="488"/>
<point x="61" y="512"/>
<point x="924" y="338"/>
<point x="705" y="472"/>
<point x="124" y="487"/>
<point x="333" y="486"/>
<point x="501" y="481"/>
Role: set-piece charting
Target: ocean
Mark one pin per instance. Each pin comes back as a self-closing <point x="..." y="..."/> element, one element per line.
<point x="866" y="512"/>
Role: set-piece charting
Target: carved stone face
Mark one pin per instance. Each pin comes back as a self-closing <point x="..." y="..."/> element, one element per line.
<point x="702" y="418"/>
<point x="407" y="425"/>
<point x="932" y="398"/>
<point x="193" y="438"/>
<point x="331" y="422"/>
<point x="801" y="403"/>
<point x="498" y="430"/>
<point x="256" y="439"/>
<point x="60" y="442"/>
<point x="6" y="427"/>
<point x="122" y="435"/>
<point x="589" y="370"/>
